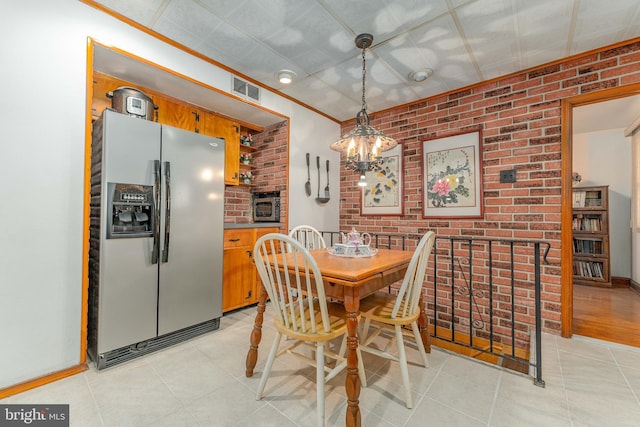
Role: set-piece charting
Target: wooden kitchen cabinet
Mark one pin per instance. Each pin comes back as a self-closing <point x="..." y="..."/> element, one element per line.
<point x="101" y="85"/>
<point x="229" y="130"/>
<point x="238" y="282"/>
<point x="179" y="115"/>
<point x="240" y="286"/>
<point x="187" y="117"/>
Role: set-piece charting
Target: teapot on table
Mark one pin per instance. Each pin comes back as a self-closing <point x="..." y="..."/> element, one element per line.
<point x="354" y="238"/>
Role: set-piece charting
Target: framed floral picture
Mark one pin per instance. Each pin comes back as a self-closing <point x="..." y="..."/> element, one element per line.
<point x="452" y="176"/>
<point x="383" y="192"/>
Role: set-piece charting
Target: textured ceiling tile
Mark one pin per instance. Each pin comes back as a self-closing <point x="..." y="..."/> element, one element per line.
<point x="315" y="31"/>
<point x="356" y="14"/>
<point x="406" y="59"/>
<point x="431" y="87"/>
<point x="385" y="19"/>
<point x="543" y="29"/>
<point x="541" y="16"/>
<point x="598" y="26"/>
<point x="258" y="19"/>
<point x="315" y="38"/>
<point x="263" y="65"/>
<point x="383" y="87"/>
<point x="457" y="75"/>
<point x="486" y="25"/>
<point x="441" y="47"/>
<point x="179" y="34"/>
<point x="224" y="8"/>
<point x="227" y="43"/>
<point x="191" y="17"/>
<point x="411" y="13"/>
<point x="345" y="77"/>
<point x="313" y="91"/>
<point x="313" y="61"/>
<point x="532" y="57"/>
<point x="141" y="11"/>
<point x="457" y="3"/>
<point x="378" y="73"/>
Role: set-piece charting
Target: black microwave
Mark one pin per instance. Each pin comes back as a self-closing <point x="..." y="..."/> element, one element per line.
<point x="266" y="207"/>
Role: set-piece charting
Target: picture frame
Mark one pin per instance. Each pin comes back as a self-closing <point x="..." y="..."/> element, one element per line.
<point x="453" y="176"/>
<point x="383" y="194"/>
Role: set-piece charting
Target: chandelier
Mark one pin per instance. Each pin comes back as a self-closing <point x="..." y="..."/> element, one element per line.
<point x="364" y="145"/>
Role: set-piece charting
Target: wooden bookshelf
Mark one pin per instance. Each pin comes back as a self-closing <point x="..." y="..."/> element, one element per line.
<point x="590" y="227"/>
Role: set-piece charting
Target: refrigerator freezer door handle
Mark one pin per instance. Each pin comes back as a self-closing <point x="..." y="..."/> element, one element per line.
<point x="156" y="207"/>
<point x="167" y="215"/>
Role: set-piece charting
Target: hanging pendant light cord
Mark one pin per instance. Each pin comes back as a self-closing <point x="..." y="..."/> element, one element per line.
<point x="364" y="78"/>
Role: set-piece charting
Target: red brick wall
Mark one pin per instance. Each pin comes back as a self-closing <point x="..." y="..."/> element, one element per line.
<point x="520" y="119"/>
<point x="270" y="160"/>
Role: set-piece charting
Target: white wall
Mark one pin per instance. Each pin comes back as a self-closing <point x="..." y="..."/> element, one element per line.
<point x="633" y="133"/>
<point x="42" y="147"/>
<point x="604" y="158"/>
<point x="303" y="209"/>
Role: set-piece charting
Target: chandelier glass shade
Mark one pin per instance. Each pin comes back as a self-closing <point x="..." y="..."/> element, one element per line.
<point x="363" y="146"/>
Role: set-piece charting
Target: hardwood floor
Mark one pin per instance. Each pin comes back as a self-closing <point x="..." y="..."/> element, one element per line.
<point x="610" y="314"/>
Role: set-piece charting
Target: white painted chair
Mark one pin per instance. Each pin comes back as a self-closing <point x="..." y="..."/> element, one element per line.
<point x="310" y="321"/>
<point x="384" y="311"/>
<point x="308" y="236"/>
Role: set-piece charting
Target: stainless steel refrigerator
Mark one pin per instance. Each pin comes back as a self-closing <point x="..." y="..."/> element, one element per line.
<point x="156" y="249"/>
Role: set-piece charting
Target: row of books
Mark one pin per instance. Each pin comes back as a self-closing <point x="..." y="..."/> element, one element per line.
<point x="586" y="199"/>
<point x="587" y="224"/>
<point x="585" y="246"/>
<point x="588" y="269"/>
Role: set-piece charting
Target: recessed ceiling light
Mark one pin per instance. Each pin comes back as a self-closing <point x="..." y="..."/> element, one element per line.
<point x="286" y="76"/>
<point x="420" y="76"/>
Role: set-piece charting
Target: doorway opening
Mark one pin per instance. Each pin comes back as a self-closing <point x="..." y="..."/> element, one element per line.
<point x="602" y="313"/>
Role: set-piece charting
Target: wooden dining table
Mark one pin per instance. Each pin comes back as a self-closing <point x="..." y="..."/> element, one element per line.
<point x="348" y="280"/>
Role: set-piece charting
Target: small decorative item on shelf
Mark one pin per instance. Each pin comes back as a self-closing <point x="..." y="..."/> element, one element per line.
<point x="576" y="178"/>
<point x="246" y="140"/>
<point x="245" y="158"/>
<point x="246" y="177"/>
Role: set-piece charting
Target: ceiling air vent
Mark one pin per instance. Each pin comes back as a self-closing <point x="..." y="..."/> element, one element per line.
<point x="245" y="89"/>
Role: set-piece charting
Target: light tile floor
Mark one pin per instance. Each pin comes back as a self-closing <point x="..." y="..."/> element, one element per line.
<point x="202" y="383"/>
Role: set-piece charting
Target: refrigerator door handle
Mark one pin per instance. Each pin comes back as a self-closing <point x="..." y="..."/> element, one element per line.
<point x="156" y="207"/>
<point x="167" y="215"/>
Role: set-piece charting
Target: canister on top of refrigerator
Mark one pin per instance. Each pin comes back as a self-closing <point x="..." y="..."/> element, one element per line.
<point x="130" y="101"/>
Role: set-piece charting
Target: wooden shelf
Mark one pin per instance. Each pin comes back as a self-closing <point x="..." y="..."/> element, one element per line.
<point x="590" y="225"/>
<point x="246" y="149"/>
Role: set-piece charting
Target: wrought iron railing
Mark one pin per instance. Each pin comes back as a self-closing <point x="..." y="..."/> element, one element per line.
<point x="483" y="295"/>
<point x="486" y="295"/>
